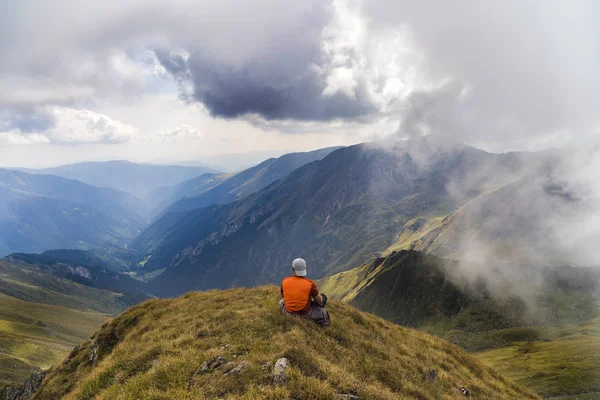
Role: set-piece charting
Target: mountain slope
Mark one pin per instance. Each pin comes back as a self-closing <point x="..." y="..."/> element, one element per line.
<point x="46" y="310"/>
<point x="61" y="265"/>
<point x="561" y="363"/>
<point x="338" y="212"/>
<point x="534" y="220"/>
<point x="417" y="289"/>
<point x="406" y="287"/>
<point x="154" y="350"/>
<point x="220" y="189"/>
<point x="37" y="335"/>
<point x="66" y="288"/>
<point x="138" y="179"/>
<point x="41" y="212"/>
<point x="160" y="199"/>
<point x="43" y="315"/>
<point x="544" y="322"/>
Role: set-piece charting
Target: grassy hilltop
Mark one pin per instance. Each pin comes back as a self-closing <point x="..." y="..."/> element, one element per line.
<point x="153" y="350"/>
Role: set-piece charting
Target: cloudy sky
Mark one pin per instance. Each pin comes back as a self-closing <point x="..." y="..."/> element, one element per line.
<point x="177" y="81"/>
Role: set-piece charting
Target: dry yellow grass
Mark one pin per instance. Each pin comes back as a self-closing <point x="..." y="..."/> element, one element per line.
<point x="153" y="350"/>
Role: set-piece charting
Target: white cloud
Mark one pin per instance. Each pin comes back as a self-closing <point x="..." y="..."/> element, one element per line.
<point x="86" y="126"/>
<point x="343" y="44"/>
<point x="17" y="138"/>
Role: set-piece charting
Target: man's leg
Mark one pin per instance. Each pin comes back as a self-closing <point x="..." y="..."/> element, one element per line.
<point x="282" y="307"/>
<point x="318" y="314"/>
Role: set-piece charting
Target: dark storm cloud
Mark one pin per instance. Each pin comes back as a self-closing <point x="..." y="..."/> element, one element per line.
<point x="279" y="76"/>
<point x="235" y="57"/>
<point x="175" y="64"/>
<point x="232" y="92"/>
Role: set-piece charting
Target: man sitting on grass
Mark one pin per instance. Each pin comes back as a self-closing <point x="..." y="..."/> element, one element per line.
<point x="301" y="296"/>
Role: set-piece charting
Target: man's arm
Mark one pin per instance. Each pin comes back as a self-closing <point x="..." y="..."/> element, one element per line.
<point x="314" y="292"/>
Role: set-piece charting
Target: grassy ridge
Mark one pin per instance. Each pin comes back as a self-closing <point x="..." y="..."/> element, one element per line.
<point x="153" y="350"/>
<point x="407" y="287"/>
<point x="34" y="335"/>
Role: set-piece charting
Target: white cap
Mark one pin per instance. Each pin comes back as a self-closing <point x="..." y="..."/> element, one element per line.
<point x="299" y="266"/>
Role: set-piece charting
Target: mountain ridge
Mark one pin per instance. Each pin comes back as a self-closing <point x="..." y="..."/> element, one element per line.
<point x="207" y="189"/>
<point x="358" y="355"/>
<point x="139" y="179"/>
<point x="41" y="212"/>
<point x="338" y="212"/>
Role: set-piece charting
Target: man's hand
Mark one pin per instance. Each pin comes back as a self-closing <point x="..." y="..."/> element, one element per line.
<point x="318" y="299"/>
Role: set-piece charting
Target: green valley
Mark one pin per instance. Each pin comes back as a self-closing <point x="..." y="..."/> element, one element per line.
<point x="37" y="336"/>
<point x="560" y="361"/>
<point x="43" y="316"/>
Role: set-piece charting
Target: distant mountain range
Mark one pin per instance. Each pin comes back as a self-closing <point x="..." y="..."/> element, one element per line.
<point x="137" y="179"/>
<point x="338" y="212"/>
<point x="41" y="212"/>
<point x="210" y="189"/>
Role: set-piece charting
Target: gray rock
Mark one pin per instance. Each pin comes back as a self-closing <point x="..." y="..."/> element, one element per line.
<point x="216" y="362"/>
<point x="27" y="390"/>
<point x="211" y="364"/>
<point x="12" y="393"/>
<point x="203" y="367"/>
<point x="280" y="371"/>
<point x="93" y="352"/>
<point x="227" y="367"/>
<point x="238" y="369"/>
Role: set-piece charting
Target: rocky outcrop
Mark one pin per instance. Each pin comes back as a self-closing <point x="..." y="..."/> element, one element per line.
<point x="78" y="270"/>
<point x="280" y="371"/>
<point x="211" y="364"/>
<point x="26" y="391"/>
<point x="237" y="369"/>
